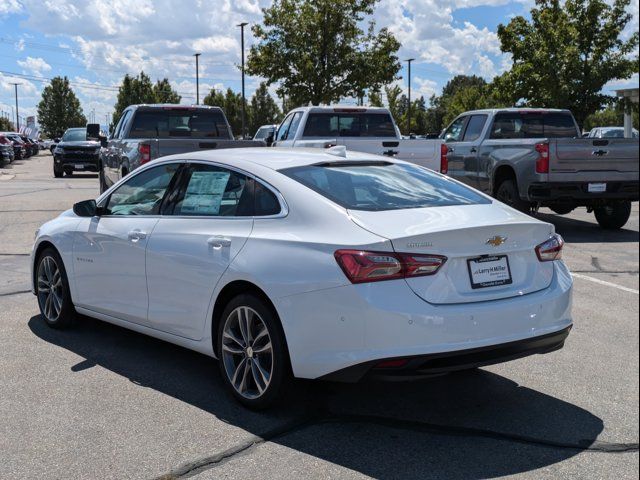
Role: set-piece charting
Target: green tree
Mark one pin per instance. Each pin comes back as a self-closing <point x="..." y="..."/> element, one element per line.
<point x="164" y="93"/>
<point x="375" y="98"/>
<point x="393" y="94"/>
<point x="320" y="51"/>
<point x="264" y="110"/>
<point x="59" y="108"/>
<point x="472" y="97"/>
<point x="6" y="125"/>
<point x="132" y="91"/>
<point x="610" y="117"/>
<point x="231" y="104"/>
<point x="565" y="54"/>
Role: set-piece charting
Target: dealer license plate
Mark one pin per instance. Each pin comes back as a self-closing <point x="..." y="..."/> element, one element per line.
<point x="489" y="271"/>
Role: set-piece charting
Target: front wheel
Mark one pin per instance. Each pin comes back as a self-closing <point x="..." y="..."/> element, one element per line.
<point x="613" y="217"/>
<point x="508" y="193"/>
<point x="58" y="173"/>
<point x="52" y="290"/>
<point x="252" y="352"/>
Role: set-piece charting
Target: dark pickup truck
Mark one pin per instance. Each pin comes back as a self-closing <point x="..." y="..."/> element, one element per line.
<point x="75" y="153"/>
<point x="146" y="132"/>
<point x="531" y="158"/>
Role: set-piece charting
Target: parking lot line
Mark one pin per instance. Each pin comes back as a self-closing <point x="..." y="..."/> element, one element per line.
<point x="603" y="282"/>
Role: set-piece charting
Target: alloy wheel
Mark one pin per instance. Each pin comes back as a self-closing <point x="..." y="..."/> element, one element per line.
<point x="247" y="352"/>
<point x="50" y="288"/>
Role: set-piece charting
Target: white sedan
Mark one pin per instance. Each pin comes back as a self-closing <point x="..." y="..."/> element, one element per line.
<point x="308" y="263"/>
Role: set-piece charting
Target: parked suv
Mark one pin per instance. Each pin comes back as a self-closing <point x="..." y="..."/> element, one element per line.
<point x="530" y="158"/>
<point x="19" y="147"/>
<point x="75" y="153"/>
<point x="6" y="151"/>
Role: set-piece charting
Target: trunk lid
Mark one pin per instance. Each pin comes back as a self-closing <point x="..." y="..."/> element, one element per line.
<point x="461" y="233"/>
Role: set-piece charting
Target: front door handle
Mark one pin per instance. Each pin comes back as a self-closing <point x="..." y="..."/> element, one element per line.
<point x="219" y="242"/>
<point x="136" y="235"/>
<point x="473" y="150"/>
<point x="451" y="149"/>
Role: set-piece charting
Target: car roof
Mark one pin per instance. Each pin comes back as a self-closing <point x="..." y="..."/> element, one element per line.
<point x="341" y="109"/>
<point x="516" y="110"/>
<point x="276" y="158"/>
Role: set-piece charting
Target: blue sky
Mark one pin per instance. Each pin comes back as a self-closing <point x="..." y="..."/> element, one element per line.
<point x="95" y="43"/>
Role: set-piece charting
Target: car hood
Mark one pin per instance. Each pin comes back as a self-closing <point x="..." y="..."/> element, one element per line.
<point x="79" y="144"/>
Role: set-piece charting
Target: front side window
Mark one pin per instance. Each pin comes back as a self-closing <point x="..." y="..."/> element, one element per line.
<point x="142" y="194"/>
<point x="283" y="129"/>
<point x="375" y="186"/>
<point x="214" y="191"/>
<point x="456" y="130"/>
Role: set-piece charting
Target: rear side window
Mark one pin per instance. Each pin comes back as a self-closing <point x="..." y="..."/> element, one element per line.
<point x="179" y="123"/>
<point x="474" y="127"/>
<point x="383" y="186"/>
<point x="349" y="125"/>
<point x="265" y="202"/>
<point x="511" y="125"/>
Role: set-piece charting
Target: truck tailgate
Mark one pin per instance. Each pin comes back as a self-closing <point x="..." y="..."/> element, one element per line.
<point x="595" y="157"/>
<point x="171" y="146"/>
<point x="425" y="153"/>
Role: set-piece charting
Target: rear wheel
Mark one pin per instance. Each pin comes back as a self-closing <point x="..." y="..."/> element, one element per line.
<point x="613" y="217"/>
<point x="252" y="352"/>
<point x="52" y="290"/>
<point x="508" y="193"/>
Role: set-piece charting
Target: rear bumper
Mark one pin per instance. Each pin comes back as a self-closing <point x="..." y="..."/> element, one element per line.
<point x="438" y="363"/>
<point x="578" y="192"/>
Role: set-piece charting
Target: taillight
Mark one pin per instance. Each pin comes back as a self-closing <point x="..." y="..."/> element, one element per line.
<point x="145" y="153"/>
<point x="363" y="266"/>
<point x="444" y="161"/>
<point x="551" y="249"/>
<point x="542" y="164"/>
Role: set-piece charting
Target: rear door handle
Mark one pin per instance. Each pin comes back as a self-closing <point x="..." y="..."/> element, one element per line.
<point x="136" y="235"/>
<point x="219" y="242"/>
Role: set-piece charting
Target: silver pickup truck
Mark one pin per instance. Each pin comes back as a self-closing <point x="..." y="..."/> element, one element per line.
<point x="146" y="132"/>
<point x="531" y="158"/>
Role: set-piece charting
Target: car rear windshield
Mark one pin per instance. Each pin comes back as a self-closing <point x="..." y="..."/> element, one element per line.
<point x="383" y="186"/>
<point x="533" y="125"/>
<point x="349" y="125"/>
<point x="179" y="123"/>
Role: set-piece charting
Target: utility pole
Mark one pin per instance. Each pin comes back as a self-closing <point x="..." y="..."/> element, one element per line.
<point x="409" y="60"/>
<point x="197" y="55"/>
<point x="242" y="25"/>
<point x="17" y="114"/>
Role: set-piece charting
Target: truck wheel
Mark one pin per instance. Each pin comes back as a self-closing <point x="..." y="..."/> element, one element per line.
<point x="508" y="193"/>
<point x="613" y="217"/>
<point x="69" y="173"/>
<point x="57" y="173"/>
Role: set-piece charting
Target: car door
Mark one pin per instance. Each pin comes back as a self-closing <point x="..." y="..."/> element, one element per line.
<point x="190" y="249"/>
<point x="469" y="150"/>
<point x="288" y="129"/>
<point x="109" y="250"/>
<point x="452" y="137"/>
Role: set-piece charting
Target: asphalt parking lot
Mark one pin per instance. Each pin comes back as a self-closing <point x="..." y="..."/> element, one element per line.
<point x="103" y="402"/>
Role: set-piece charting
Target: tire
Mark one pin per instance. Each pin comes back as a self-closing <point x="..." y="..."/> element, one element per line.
<point x="257" y="379"/>
<point x="508" y="193"/>
<point x="69" y="173"/>
<point x="562" y="209"/>
<point x="103" y="183"/>
<point x="57" y="173"/>
<point x="52" y="290"/>
<point x="613" y="217"/>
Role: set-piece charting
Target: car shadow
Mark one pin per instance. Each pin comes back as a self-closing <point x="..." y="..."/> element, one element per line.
<point x="80" y="175"/>
<point x="580" y="231"/>
<point x="470" y="425"/>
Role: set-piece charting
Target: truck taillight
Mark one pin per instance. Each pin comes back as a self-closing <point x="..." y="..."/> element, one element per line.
<point x="444" y="161"/>
<point x="363" y="266"/>
<point x="542" y="164"/>
<point x="144" y="150"/>
<point x="551" y="249"/>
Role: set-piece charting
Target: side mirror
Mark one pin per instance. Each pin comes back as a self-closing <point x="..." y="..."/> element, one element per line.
<point x="93" y="131"/>
<point x="269" y="139"/>
<point x="56" y="140"/>
<point x="86" y="208"/>
<point x="103" y="141"/>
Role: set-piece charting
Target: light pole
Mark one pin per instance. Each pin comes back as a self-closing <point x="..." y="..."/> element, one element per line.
<point x="17" y="114"/>
<point x="242" y="25"/>
<point x="197" y="55"/>
<point x="409" y="60"/>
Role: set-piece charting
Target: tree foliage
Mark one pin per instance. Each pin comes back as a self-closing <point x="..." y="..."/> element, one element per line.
<point x="6" y="125"/>
<point x="320" y="51"/>
<point x="140" y="89"/>
<point x="263" y="109"/>
<point x="59" y="108"/>
<point x="231" y="104"/>
<point x="565" y="54"/>
<point x="610" y="117"/>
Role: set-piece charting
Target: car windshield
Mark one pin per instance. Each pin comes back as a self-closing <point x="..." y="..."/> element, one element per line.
<point x="263" y="132"/>
<point x="75" y="135"/>
<point x="376" y="186"/>
<point x="177" y="122"/>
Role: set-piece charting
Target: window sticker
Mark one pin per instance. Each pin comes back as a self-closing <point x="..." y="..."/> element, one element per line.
<point x="204" y="193"/>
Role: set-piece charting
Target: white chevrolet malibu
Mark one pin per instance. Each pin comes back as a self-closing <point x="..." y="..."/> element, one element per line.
<point x="308" y="263"/>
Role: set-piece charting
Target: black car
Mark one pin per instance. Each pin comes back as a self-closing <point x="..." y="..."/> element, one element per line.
<point x="31" y="145"/>
<point x="6" y="151"/>
<point x="74" y="153"/>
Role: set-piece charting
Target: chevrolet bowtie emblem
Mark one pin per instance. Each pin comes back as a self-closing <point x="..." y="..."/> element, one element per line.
<point x="496" y="241"/>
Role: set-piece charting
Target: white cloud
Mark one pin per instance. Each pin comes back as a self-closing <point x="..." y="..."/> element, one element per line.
<point x="36" y="66"/>
<point x="8" y="7"/>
